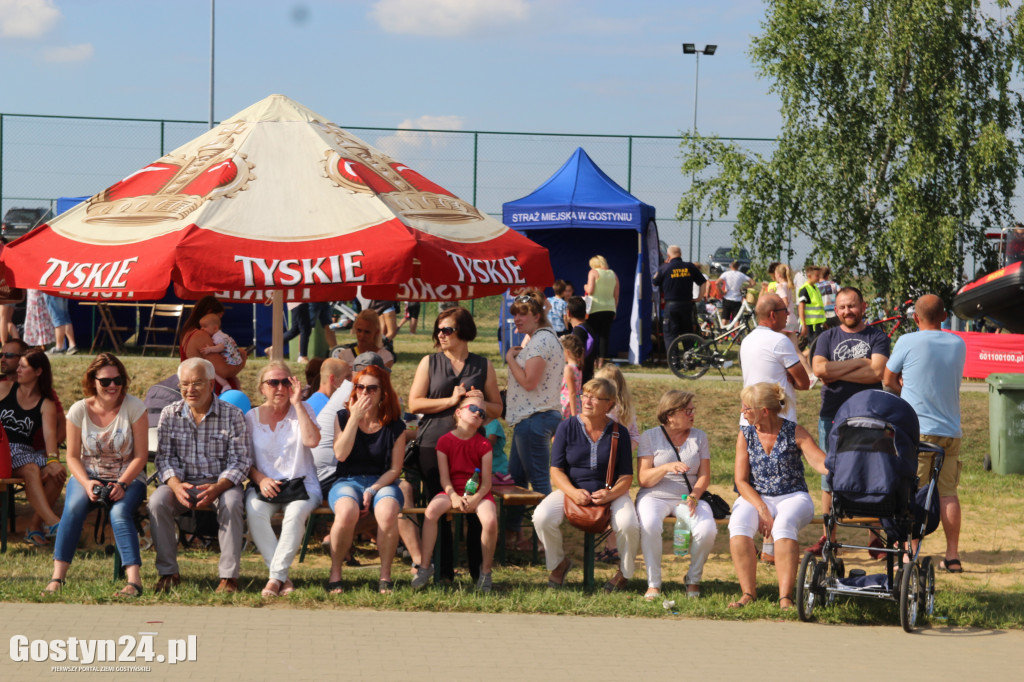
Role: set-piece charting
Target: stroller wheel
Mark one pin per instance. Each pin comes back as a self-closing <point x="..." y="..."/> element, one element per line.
<point x="926" y="601"/>
<point x="809" y="585"/>
<point x="910" y="595"/>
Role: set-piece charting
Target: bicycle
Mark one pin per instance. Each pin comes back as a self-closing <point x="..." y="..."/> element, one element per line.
<point x="899" y="314"/>
<point x="690" y="356"/>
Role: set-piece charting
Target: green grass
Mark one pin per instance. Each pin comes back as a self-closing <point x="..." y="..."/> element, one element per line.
<point x="990" y="594"/>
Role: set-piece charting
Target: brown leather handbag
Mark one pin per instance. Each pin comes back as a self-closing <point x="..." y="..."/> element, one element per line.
<point x="595" y="518"/>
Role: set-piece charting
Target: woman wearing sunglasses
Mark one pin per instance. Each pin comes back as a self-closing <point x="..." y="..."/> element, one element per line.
<point x="441" y="382"/>
<point x="282" y="476"/>
<point x="534" y="399"/>
<point x="674" y="460"/>
<point x="108" y="441"/>
<point x="369" y="444"/>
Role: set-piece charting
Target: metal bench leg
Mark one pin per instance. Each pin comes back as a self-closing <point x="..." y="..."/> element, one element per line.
<point x="305" y="538"/>
<point x="589" y="543"/>
<point x="119" y="573"/>
<point x="501" y="553"/>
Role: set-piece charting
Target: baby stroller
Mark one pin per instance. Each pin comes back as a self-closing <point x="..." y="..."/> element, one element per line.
<point x="872" y="464"/>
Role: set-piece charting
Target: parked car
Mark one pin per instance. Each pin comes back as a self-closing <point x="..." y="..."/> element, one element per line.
<point x="20" y="221"/>
<point x="723" y="258"/>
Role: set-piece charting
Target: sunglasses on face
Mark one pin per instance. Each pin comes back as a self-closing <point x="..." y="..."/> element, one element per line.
<point x="479" y="411"/>
<point x="369" y="388"/>
<point x="446" y="331"/>
<point x="274" y="383"/>
<point x="10" y="356"/>
<point x="106" y="381"/>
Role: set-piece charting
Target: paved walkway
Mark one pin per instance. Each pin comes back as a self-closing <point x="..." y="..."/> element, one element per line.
<point x="293" y="645"/>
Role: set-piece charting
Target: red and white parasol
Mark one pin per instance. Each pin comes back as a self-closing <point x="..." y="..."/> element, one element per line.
<point x="276" y="198"/>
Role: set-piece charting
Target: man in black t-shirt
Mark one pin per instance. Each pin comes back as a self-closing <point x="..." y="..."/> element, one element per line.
<point x="847" y="359"/>
<point x="576" y="310"/>
<point x="676" y="279"/>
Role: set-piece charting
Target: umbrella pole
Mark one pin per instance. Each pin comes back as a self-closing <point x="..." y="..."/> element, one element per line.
<point x="277" y="337"/>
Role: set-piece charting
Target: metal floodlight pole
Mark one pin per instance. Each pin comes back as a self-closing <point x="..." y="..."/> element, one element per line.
<point x="709" y="50"/>
<point x="212" y="6"/>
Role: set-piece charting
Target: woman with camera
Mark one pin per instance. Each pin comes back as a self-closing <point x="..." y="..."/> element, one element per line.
<point x="283" y="476"/>
<point x="107" y="439"/>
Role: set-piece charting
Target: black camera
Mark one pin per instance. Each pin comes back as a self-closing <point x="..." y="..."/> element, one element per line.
<point x="102" y="493"/>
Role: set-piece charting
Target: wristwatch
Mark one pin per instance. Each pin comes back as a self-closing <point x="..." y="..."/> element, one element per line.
<point x="124" y="486"/>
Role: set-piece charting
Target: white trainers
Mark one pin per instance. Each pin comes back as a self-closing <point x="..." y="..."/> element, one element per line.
<point x="423" y="576"/>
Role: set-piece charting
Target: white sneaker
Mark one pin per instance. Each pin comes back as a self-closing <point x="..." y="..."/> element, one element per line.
<point x="423" y="576"/>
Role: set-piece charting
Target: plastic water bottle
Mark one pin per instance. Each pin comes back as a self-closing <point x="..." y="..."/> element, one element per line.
<point x="473" y="484"/>
<point x="681" y="537"/>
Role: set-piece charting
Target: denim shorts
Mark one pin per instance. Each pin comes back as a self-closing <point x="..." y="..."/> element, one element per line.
<point x="58" y="308"/>
<point x="355" y="487"/>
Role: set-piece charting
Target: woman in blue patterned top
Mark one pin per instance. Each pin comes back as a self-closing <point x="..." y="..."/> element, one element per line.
<point x="773" y="493"/>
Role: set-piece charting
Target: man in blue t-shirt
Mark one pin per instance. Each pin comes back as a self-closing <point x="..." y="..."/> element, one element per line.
<point x="847" y="359"/>
<point x="925" y="369"/>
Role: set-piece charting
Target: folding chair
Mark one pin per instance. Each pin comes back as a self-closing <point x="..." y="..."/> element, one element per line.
<point x="166" y="311"/>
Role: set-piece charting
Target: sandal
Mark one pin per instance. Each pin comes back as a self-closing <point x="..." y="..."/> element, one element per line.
<point x="386" y="586"/>
<point x="34" y="537"/>
<point x="951" y="566"/>
<point x="747" y="598"/>
<point x="652" y="594"/>
<point x="783" y="607"/>
<point x="134" y="594"/>
<point x="617" y="583"/>
<point x="287" y="588"/>
<point x="559" y="584"/>
<point x="334" y="587"/>
<point x="60" y="586"/>
<point x="608" y="556"/>
<point x="269" y="592"/>
<point x="693" y="594"/>
<point x="51" y="531"/>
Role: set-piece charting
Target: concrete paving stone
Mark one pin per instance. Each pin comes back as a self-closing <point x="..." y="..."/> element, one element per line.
<point x="392" y="645"/>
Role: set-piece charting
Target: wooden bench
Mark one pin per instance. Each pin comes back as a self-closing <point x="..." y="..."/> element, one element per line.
<point x="504" y="496"/>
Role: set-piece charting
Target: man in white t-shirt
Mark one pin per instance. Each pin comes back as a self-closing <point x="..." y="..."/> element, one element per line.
<point x="768" y="355"/>
<point x="735" y="283"/>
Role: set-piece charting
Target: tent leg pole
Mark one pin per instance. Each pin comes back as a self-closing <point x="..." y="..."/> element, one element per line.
<point x="278" y="334"/>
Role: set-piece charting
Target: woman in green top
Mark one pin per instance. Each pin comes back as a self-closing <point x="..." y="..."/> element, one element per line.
<point x="603" y="288"/>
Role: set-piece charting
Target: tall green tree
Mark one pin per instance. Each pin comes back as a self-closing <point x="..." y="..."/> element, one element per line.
<point x="901" y="128"/>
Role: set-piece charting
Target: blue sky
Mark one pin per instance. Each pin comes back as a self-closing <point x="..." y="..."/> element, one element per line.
<point x="571" y="66"/>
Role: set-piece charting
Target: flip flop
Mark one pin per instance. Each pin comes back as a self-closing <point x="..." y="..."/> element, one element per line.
<point x="652" y="594"/>
<point x="739" y="604"/>
<point x="34" y="537"/>
<point x="555" y="585"/>
<point x="951" y="565"/>
<point x="49" y="593"/>
<point x="121" y="594"/>
<point x="386" y="586"/>
<point x="335" y="587"/>
<point x="791" y="603"/>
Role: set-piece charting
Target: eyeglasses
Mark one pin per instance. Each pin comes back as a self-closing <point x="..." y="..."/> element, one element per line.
<point x="586" y="397"/>
<point x="106" y="381"/>
<point x="479" y="411"/>
<point x="274" y="383"/>
<point x="688" y="411"/>
<point x="746" y="409"/>
<point x="192" y="385"/>
<point x="369" y="388"/>
<point x="779" y="310"/>
<point x="11" y="356"/>
<point x="446" y="331"/>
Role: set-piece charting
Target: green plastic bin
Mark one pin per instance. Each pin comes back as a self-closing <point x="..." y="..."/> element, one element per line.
<point x="1006" y="422"/>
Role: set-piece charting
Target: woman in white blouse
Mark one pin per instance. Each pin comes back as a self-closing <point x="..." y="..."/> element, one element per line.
<point x="668" y="457"/>
<point x="107" y="449"/>
<point x="283" y="432"/>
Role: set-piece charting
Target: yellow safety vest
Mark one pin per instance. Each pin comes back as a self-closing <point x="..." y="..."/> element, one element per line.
<point x="814" y="312"/>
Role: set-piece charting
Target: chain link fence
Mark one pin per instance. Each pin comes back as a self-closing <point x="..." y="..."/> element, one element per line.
<point x="45" y="157"/>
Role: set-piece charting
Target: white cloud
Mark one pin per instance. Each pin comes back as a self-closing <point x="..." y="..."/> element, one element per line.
<point x="69" y="53"/>
<point x="27" y="18"/>
<point x="446" y="17"/>
<point x="412" y="135"/>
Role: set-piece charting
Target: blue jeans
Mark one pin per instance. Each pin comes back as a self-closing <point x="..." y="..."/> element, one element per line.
<point x="529" y="461"/>
<point x="122" y="519"/>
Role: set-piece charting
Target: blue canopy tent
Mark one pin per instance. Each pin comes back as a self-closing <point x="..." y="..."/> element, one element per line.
<point x="580" y="212"/>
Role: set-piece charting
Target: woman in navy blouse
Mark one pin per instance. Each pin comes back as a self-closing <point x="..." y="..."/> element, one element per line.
<point x="579" y="467"/>
<point x="773" y="493"/>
